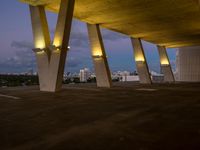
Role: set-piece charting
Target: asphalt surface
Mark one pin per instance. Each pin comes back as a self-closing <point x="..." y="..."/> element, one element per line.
<point x="128" y="116"/>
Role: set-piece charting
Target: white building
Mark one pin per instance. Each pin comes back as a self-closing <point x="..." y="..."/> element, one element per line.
<point x="84" y="74"/>
<point x="130" y="78"/>
<point x="125" y="76"/>
<point x="156" y="77"/>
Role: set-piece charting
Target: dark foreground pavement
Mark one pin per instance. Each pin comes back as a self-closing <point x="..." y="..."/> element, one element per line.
<point x="83" y="117"/>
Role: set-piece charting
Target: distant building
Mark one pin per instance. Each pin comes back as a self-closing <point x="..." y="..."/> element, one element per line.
<point x="130" y="78"/>
<point x="84" y="75"/>
<point x="124" y="76"/>
<point x="156" y="77"/>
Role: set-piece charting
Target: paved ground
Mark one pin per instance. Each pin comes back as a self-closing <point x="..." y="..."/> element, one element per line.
<point x="83" y="117"/>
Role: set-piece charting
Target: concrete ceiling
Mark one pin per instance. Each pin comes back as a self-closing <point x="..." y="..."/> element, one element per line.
<point x="171" y="23"/>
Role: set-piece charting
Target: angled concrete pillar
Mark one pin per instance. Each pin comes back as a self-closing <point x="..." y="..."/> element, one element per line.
<point x="165" y="65"/>
<point x="140" y="59"/>
<point x="51" y="58"/>
<point x="102" y="71"/>
<point x="41" y="42"/>
<point x="61" y="41"/>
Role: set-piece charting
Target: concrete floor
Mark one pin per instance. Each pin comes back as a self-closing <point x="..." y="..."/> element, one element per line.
<point x="82" y="117"/>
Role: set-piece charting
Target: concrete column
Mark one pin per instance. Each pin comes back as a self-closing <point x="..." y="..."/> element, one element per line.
<point x="41" y="42"/>
<point x="60" y="44"/>
<point x="165" y="65"/>
<point x="188" y="64"/>
<point x="51" y="58"/>
<point x="141" y="64"/>
<point x="102" y="71"/>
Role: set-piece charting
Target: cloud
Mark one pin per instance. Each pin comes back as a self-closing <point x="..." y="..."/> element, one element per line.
<point x="22" y="44"/>
<point x="79" y="55"/>
<point x="24" y="58"/>
<point x="73" y="62"/>
<point x="22" y="61"/>
<point x="112" y="36"/>
<point x="79" y="36"/>
<point x="79" y="39"/>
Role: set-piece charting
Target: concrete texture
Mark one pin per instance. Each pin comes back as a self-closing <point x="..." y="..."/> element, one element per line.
<point x="41" y="40"/>
<point x="61" y="40"/>
<point x="170" y="23"/>
<point x="83" y="117"/>
<point x="187" y="64"/>
<point x="102" y="71"/>
<point x="141" y="63"/>
<point x="51" y="60"/>
<point x="165" y="65"/>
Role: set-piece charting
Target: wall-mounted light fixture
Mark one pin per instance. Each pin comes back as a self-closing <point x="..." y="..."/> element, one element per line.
<point x="140" y="62"/>
<point x="164" y="65"/>
<point x="98" y="56"/>
<point x="57" y="48"/>
<point x="39" y="50"/>
<point x="52" y="48"/>
<point x="97" y="51"/>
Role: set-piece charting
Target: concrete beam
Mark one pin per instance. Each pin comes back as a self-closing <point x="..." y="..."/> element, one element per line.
<point x="165" y="65"/>
<point x="102" y="71"/>
<point x="51" y="58"/>
<point x="148" y="19"/>
<point x="141" y="63"/>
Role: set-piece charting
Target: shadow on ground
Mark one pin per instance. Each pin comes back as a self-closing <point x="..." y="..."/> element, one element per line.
<point x="82" y="117"/>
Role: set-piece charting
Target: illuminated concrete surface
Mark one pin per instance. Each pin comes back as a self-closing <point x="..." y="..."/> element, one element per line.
<point x="165" y="65"/>
<point x="126" y="117"/>
<point x="51" y="58"/>
<point x="99" y="57"/>
<point x="140" y="60"/>
<point x="170" y="23"/>
<point x="188" y="64"/>
<point x="165" y="23"/>
<point x="41" y="40"/>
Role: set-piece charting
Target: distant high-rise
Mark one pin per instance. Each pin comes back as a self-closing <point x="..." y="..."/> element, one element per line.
<point x="84" y="74"/>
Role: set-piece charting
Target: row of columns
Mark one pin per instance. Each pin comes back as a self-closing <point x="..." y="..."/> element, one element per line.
<point x="51" y="56"/>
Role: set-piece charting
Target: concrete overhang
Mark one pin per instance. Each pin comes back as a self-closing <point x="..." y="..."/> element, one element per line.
<point x="170" y="23"/>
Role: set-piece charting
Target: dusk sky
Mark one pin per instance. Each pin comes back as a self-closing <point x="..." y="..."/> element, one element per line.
<point x="17" y="42"/>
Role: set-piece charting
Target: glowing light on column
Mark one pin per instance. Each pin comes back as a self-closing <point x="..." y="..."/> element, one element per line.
<point x="164" y="61"/>
<point x="139" y="58"/>
<point x="97" y="52"/>
<point x="39" y="46"/>
<point x="57" y="42"/>
<point x="39" y="42"/>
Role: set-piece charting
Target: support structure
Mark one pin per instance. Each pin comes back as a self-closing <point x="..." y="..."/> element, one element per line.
<point x="140" y="59"/>
<point x="51" y="58"/>
<point x="165" y="65"/>
<point x="102" y="71"/>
